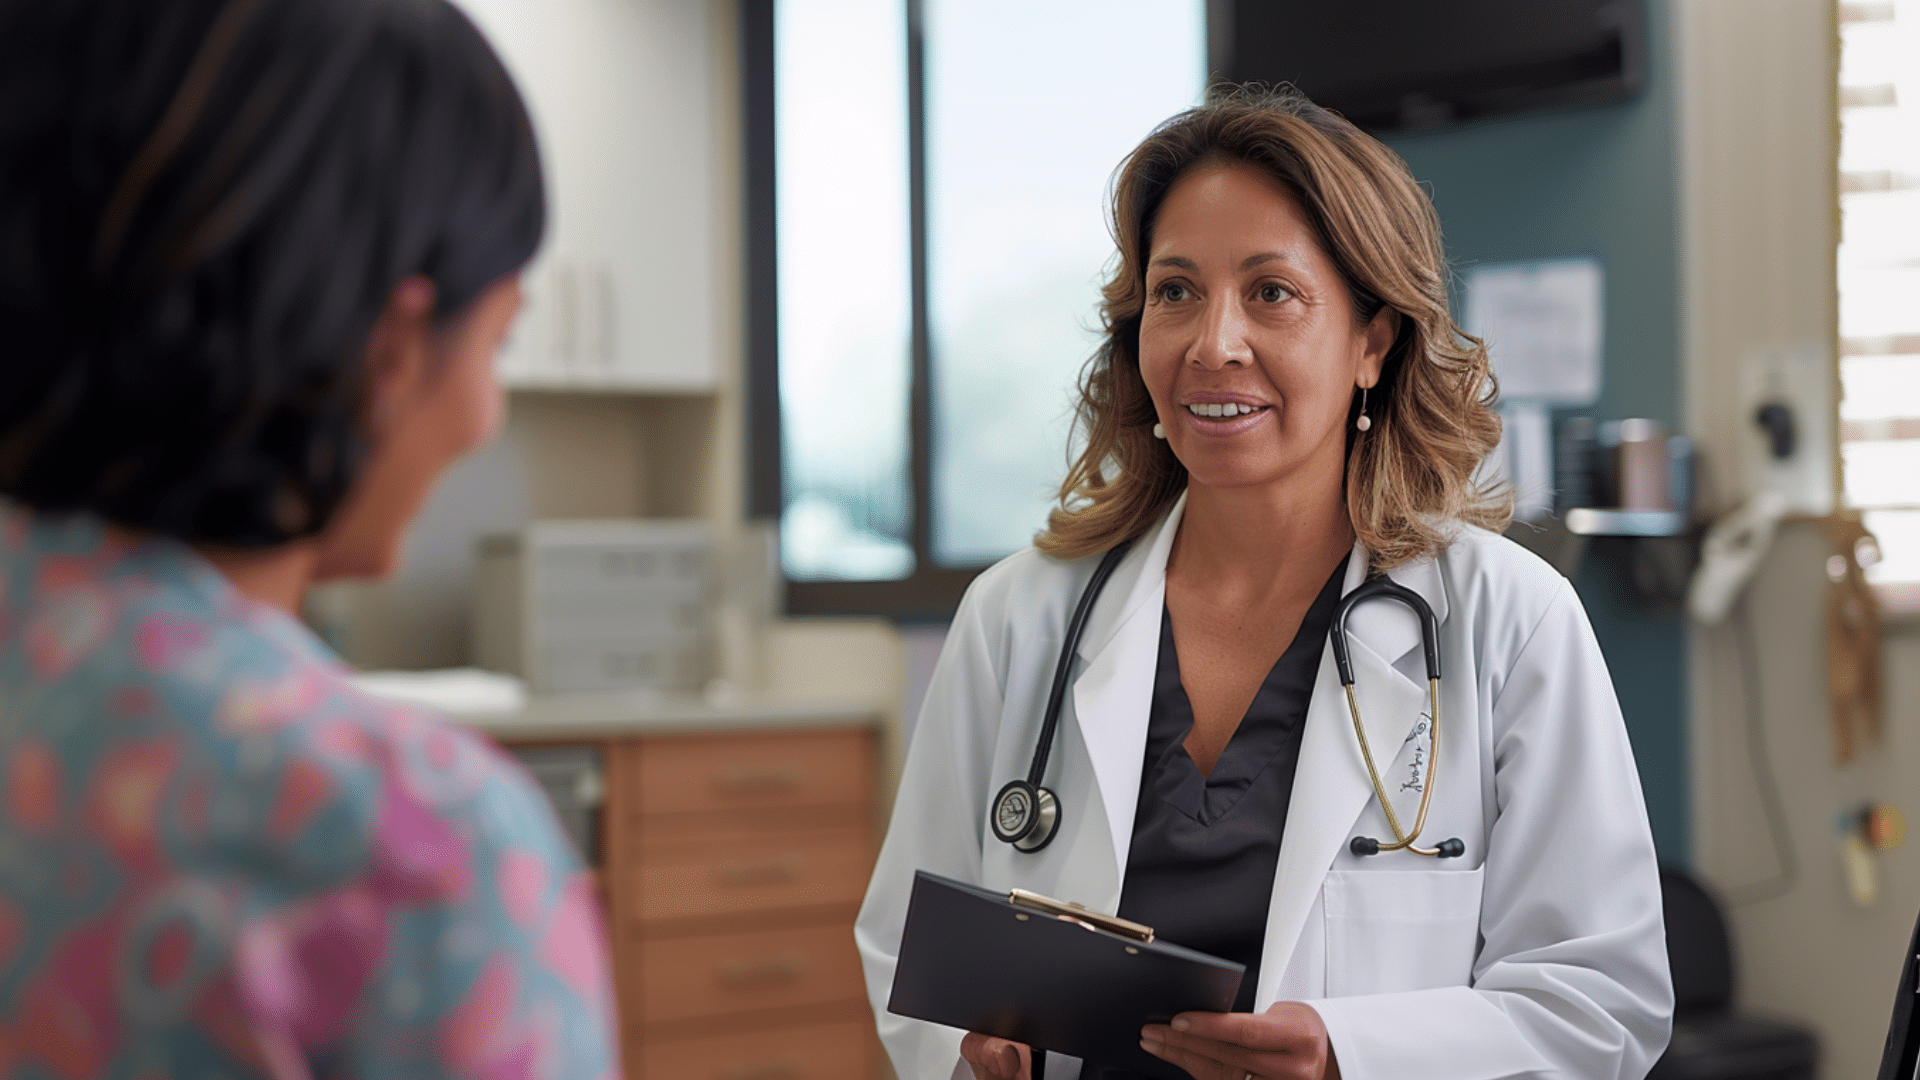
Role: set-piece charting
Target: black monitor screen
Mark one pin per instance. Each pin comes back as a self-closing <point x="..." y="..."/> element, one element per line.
<point x="1396" y="65"/>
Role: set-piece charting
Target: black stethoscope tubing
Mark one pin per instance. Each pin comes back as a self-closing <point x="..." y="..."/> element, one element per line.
<point x="1075" y="628"/>
<point x="1383" y="586"/>
<point x="1024" y="813"/>
<point x="1027" y="815"/>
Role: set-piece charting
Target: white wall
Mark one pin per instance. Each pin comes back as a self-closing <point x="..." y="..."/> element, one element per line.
<point x="1757" y="138"/>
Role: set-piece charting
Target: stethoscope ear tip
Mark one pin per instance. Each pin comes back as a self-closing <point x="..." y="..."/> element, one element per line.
<point x="1451" y="848"/>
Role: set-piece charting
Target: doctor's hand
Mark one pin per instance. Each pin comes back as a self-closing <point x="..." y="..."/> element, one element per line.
<point x="995" y="1059"/>
<point x="1287" y="1042"/>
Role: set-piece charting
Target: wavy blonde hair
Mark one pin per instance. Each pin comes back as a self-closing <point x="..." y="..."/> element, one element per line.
<point x="1411" y="477"/>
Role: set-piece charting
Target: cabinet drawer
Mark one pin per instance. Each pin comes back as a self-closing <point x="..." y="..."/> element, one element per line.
<point x="698" y="881"/>
<point x="827" y="1052"/>
<point x="741" y="772"/>
<point x="687" y="978"/>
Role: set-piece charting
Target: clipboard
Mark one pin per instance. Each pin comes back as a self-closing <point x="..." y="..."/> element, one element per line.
<point x="1053" y="975"/>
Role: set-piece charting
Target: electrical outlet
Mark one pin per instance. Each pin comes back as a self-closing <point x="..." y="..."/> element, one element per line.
<point x="1799" y="380"/>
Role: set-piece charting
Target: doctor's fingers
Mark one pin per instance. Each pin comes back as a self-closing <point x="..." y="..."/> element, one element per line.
<point x="994" y="1059"/>
<point x="1268" y="1049"/>
<point x="1287" y="1026"/>
<point x="1223" y="1061"/>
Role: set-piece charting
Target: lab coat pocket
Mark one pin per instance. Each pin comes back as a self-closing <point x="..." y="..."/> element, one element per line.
<point x="1395" y="930"/>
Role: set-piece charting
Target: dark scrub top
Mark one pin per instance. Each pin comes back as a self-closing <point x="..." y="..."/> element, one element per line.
<point x="1205" y="848"/>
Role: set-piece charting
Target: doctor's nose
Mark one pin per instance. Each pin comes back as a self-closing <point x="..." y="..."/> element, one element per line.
<point x="1222" y="340"/>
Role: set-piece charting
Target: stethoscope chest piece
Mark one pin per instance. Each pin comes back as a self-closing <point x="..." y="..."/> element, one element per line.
<point x="1025" y="816"/>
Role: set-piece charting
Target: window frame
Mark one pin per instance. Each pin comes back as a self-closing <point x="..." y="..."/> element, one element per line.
<point x="932" y="592"/>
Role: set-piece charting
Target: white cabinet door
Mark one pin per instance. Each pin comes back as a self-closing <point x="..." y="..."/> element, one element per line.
<point x="622" y="296"/>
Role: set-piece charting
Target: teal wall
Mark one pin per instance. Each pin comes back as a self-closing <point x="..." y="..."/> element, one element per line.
<point x="1602" y="182"/>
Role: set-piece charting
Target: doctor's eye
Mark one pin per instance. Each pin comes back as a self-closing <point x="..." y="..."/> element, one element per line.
<point x="1273" y="292"/>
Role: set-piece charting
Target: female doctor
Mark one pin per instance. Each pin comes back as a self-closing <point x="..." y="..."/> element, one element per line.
<point x="1282" y="410"/>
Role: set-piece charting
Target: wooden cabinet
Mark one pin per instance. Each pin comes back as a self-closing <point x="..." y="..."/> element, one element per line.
<point x="821" y="1052"/>
<point x="733" y="866"/>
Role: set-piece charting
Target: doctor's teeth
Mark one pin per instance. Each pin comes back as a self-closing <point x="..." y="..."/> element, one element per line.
<point x="1220" y="409"/>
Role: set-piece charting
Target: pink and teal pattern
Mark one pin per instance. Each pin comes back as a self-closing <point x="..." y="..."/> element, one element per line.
<point x="220" y="859"/>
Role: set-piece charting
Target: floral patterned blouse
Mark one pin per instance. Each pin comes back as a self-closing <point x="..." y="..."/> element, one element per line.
<point x="220" y="859"/>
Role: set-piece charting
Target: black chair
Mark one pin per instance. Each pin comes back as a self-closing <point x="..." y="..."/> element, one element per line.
<point x="1711" y="1041"/>
<point x="1901" y="1059"/>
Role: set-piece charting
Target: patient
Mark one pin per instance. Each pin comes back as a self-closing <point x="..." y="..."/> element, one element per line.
<point x="255" y="259"/>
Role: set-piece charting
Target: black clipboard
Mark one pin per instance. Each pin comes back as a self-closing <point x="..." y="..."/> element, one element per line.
<point x="1049" y="974"/>
<point x="1900" y="1059"/>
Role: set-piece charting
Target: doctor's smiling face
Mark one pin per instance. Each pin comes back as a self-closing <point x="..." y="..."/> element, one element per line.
<point x="1249" y="342"/>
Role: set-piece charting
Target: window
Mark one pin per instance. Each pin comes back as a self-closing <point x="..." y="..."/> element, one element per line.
<point x="845" y="290"/>
<point x="927" y="234"/>
<point x="1879" y="278"/>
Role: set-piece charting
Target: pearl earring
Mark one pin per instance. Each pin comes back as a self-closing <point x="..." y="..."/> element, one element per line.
<point x="1159" y="432"/>
<point x="1365" y="422"/>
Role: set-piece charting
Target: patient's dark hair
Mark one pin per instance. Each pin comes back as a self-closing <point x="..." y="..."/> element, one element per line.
<point x="205" y="205"/>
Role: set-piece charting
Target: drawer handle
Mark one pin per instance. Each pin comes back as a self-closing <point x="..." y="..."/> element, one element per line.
<point x="759" y="871"/>
<point x="785" y="1069"/>
<point x="748" y="781"/>
<point x="762" y="971"/>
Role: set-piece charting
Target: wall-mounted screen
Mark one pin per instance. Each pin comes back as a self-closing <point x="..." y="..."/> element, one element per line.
<point x="1399" y="65"/>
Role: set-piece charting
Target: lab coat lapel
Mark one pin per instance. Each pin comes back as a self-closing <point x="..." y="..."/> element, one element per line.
<point x="1331" y="788"/>
<point x="1112" y="696"/>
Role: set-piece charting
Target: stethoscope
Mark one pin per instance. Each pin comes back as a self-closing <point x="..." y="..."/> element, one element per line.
<point x="1027" y="815"/>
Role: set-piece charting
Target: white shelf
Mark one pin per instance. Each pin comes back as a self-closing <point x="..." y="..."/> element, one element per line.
<point x="602" y="383"/>
<point x="1598" y="521"/>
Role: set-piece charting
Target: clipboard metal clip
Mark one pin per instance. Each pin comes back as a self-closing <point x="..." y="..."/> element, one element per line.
<point x="1072" y="912"/>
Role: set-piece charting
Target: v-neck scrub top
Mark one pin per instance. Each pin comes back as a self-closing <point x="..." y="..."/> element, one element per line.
<point x="1205" y="848"/>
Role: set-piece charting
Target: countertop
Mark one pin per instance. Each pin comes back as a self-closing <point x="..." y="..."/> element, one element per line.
<point x="601" y="716"/>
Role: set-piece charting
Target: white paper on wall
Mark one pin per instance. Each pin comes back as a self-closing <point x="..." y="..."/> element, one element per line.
<point x="1541" y="322"/>
<point x="1524" y="459"/>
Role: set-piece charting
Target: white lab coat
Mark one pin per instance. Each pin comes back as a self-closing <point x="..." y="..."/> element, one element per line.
<point x="1540" y="953"/>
